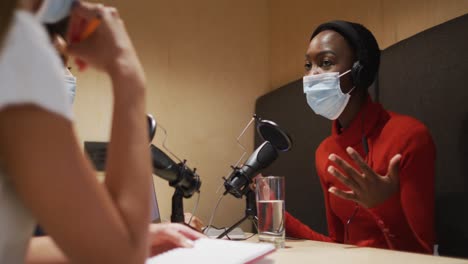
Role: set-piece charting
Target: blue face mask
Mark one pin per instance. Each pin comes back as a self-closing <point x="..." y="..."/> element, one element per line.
<point x="52" y="11"/>
<point x="324" y="94"/>
<point x="70" y="84"/>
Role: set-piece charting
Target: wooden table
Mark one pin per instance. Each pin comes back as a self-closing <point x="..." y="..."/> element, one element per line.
<point x="306" y="251"/>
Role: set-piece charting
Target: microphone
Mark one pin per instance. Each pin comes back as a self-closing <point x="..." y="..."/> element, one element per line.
<point x="275" y="140"/>
<point x="177" y="174"/>
<point x="184" y="180"/>
<point x="237" y="183"/>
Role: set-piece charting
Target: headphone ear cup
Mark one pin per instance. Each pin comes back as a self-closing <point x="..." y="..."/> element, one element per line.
<point x="356" y="72"/>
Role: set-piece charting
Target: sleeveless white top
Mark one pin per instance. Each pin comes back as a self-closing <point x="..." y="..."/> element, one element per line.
<point x="30" y="73"/>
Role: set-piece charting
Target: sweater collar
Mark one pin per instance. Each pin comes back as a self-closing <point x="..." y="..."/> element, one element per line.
<point x="365" y="122"/>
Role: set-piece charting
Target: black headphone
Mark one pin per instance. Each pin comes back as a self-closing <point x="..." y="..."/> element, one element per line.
<point x="356" y="73"/>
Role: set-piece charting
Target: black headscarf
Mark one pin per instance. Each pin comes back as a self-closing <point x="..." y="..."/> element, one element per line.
<point x="365" y="48"/>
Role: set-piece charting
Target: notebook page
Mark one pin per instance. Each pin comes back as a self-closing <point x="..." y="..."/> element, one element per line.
<point x="207" y="251"/>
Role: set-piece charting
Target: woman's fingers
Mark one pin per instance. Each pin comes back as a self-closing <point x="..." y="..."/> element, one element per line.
<point x="368" y="172"/>
<point x="367" y="188"/>
<point x="348" y="169"/>
<point x="178" y="238"/>
<point x="171" y="235"/>
<point x="347" y="195"/>
<point x="88" y="10"/>
<point x="183" y="230"/>
<point x="97" y="36"/>
<point x="345" y="180"/>
<point x="393" y="167"/>
<point x="164" y="237"/>
<point x="81" y="14"/>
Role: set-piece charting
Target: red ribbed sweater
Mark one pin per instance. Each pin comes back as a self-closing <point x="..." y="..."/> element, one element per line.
<point x="406" y="220"/>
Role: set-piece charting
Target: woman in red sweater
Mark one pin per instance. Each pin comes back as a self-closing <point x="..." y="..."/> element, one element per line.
<point x="377" y="167"/>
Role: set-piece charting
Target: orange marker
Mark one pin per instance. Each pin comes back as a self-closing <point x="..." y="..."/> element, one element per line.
<point x="90" y="28"/>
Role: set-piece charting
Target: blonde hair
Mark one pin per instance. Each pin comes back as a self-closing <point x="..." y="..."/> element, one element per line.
<point x="7" y="9"/>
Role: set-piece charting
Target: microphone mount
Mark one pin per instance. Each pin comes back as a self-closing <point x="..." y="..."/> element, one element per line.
<point x="238" y="183"/>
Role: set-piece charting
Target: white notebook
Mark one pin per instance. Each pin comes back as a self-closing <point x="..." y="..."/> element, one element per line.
<point x="207" y="251"/>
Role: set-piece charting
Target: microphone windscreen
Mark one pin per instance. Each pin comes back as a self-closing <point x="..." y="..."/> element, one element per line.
<point x="275" y="136"/>
<point x="267" y="155"/>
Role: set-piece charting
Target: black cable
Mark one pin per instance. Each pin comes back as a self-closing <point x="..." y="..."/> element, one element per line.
<point x="242" y="239"/>
<point x="227" y="235"/>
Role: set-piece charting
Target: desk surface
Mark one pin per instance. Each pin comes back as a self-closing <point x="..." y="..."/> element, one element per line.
<point x="306" y="251"/>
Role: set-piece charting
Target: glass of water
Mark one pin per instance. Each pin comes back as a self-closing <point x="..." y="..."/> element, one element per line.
<point x="270" y="209"/>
